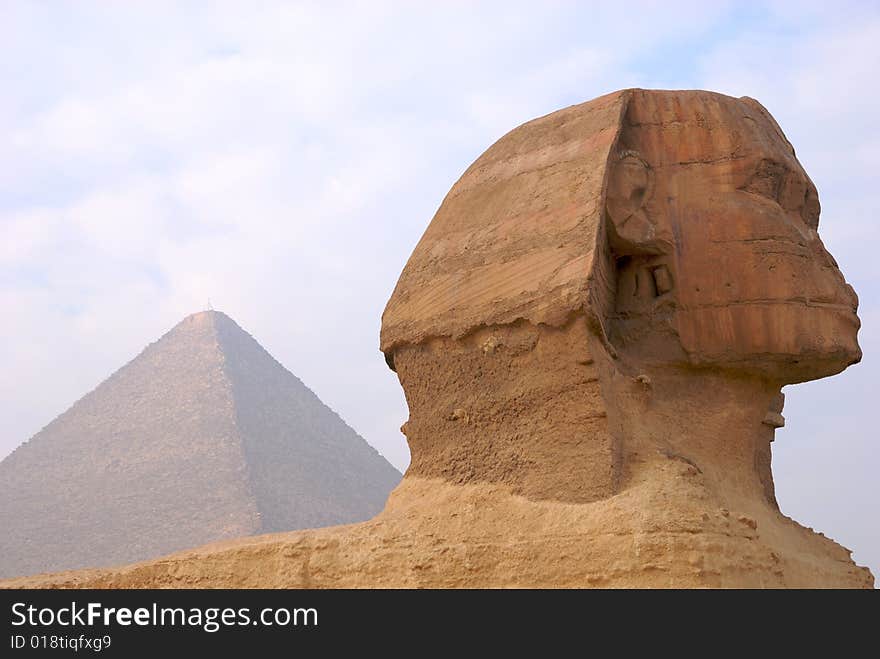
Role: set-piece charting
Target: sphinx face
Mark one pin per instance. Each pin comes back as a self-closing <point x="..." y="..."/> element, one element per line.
<point x="713" y="225"/>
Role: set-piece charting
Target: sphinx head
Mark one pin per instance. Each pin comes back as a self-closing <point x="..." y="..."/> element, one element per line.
<point x="644" y="231"/>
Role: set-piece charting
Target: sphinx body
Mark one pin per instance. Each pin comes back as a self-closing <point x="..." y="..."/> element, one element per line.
<point x="592" y="336"/>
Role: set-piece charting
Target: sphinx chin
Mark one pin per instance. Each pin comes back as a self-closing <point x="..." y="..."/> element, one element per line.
<point x="786" y="341"/>
<point x="814" y="364"/>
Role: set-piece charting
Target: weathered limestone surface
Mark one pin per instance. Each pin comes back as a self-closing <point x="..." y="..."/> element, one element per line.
<point x="592" y="336"/>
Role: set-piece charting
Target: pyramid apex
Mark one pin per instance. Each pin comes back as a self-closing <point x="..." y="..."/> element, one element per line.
<point x="204" y="317"/>
<point x="207" y="320"/>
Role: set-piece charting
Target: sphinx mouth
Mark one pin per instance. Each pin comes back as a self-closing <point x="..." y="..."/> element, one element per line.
<point x="849" y="312"/>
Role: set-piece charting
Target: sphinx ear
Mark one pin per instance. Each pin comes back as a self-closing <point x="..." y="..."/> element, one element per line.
<point x="629" y="186"/>
<point x="644" y="271"/>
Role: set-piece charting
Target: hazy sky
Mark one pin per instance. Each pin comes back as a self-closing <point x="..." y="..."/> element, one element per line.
<point x="283" y="159"/>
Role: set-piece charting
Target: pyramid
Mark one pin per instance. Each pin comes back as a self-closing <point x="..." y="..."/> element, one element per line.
<point x="203" y="436"/>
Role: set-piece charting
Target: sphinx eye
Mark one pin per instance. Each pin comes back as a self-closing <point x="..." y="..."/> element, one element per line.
<point x="790" y="189"/>
<point x="811" y="208"/>
<point x="793" y="192"/>
<point x="767" y="180"/>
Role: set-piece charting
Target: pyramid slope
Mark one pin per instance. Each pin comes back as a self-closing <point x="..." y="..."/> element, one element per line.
<point x="162" y="456"/>
<point x="307" y="467"/>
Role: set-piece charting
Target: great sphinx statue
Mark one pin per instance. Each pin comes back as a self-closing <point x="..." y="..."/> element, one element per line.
<point x="592" y="336"/>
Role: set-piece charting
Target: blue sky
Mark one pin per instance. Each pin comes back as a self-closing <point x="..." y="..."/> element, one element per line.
<point x="282" y="159"/>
